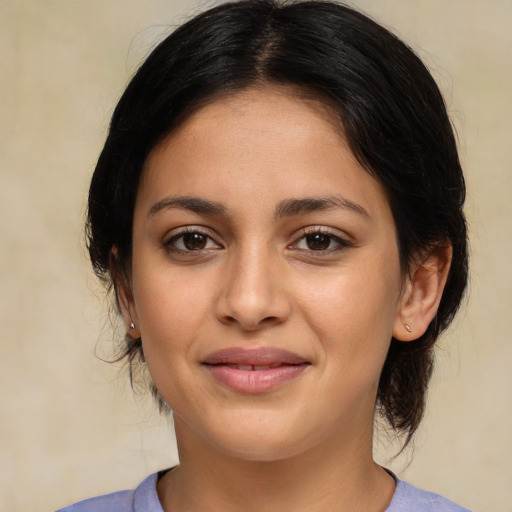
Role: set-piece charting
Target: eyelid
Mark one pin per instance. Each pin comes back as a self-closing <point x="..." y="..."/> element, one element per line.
<point x="177" y="233"/>
<point x="343" y="240"/>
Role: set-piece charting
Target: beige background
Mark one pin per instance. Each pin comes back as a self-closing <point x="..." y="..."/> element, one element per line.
<point x="69" y="425"/>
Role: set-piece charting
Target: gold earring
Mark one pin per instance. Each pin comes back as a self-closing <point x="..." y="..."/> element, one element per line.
<point x="407" y="327"/>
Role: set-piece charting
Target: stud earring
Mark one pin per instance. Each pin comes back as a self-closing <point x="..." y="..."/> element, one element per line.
<point x="407" y="327"/>
<point x="132" y="325"/>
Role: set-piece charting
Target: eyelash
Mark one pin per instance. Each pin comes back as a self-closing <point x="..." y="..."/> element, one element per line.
<point x="341" y="243"/>
<point x="169" y="244"/>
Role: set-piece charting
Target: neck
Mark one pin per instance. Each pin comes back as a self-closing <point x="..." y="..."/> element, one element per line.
<point x="327" y="479"/>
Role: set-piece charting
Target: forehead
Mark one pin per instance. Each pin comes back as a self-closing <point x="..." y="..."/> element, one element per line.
<point x="295" y="101"/>
<point x="258" y="144"/>
<point x="248" y="115"/>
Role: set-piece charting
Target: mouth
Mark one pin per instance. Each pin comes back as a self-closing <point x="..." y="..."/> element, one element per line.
<point x="253" y="367"/>
<point x="256" y="370"/>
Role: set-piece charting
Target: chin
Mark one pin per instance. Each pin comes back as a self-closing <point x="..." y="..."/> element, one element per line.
<point x="261" y="450"/>
<point x="259" y="441"/>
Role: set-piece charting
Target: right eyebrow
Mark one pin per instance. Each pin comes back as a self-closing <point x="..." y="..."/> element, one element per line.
<point x="193" y="204"/>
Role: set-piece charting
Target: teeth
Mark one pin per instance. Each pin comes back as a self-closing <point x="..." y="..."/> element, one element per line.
<point x="261" y="367"/>
<point x="244" y="367"/>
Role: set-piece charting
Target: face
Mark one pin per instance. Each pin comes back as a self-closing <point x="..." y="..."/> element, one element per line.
<point x="265" y="278"/>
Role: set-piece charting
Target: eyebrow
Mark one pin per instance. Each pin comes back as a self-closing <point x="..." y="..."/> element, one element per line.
<point x="194" y="204"/>
<point x="286" y="208"/>
<point x="290" y="207"/>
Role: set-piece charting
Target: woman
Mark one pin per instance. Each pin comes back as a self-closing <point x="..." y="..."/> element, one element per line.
<point x="278" y="207"/>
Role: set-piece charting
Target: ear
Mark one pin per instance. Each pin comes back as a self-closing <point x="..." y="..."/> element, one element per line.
<point x="422" y="293"/>
<point x="124" y="295"/>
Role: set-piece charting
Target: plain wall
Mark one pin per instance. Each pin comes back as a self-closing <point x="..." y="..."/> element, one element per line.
<point x="70" y="427"/>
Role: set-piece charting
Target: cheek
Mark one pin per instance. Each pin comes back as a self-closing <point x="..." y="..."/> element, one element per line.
<point x="352" y="313"/>
<point x="166" y="300"/>
<point x="171" y="309"/>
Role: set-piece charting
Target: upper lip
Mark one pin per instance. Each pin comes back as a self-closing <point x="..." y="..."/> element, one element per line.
<point x="261" y="356"/>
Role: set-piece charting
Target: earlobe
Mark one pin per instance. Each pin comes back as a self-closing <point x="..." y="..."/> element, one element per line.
<point x="422" y="294"/>
<point x="126" y="305"/>
<point x="124" y="296"/>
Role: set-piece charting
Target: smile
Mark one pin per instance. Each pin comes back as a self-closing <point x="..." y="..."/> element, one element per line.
<point x="254" y="371"/>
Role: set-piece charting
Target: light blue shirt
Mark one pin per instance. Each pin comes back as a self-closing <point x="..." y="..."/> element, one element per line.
<point x="407" y="498"/>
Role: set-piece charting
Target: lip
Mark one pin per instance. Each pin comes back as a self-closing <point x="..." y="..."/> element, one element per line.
<point x="255" y="370"/>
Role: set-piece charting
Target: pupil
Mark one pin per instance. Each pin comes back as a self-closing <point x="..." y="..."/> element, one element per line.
<point x="194" y="241"/>
<point x="318" y="242"/>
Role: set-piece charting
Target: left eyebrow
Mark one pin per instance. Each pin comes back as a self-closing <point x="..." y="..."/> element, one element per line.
<point x="290" y="207"/>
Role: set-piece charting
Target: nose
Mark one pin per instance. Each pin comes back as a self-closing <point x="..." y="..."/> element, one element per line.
<point x="254" y="294"/>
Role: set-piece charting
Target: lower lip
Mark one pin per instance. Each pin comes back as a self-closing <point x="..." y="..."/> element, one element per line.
<point x="255" y="381"/>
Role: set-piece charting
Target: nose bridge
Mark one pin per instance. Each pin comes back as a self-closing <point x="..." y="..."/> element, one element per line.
<point x="252" y="294"/>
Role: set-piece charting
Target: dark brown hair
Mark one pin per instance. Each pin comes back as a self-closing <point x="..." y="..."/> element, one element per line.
<point x="389" y="107"/>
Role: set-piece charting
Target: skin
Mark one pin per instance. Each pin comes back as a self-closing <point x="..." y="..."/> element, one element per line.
<point x="260" y="277"/>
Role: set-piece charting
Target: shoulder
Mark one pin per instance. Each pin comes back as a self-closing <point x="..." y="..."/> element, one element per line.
<point x="121" y="501"/>
<point x="407" y="498"/>
<point x="142" y="499"/>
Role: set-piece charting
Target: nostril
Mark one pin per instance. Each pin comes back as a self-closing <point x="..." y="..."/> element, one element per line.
<point x="250" y="324"/>
<point x="270" y="319"/>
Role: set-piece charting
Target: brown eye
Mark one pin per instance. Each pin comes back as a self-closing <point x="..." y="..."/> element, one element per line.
<point x="194" y="241"/>
<point x="318" y="241"/>
<point x="191" y="241"/>
<point x="321" y="242"/>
